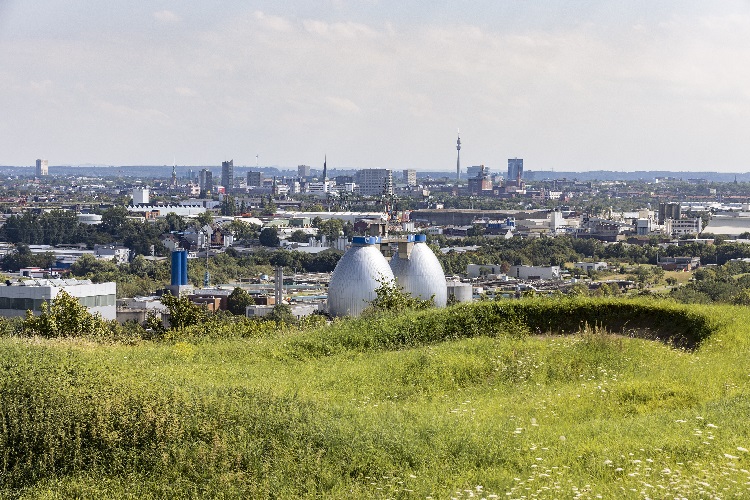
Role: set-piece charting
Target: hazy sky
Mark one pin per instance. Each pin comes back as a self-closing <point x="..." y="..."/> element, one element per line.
<point x="566" y="85"/>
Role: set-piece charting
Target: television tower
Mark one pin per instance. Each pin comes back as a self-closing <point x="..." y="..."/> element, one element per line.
<point x="458" y="157"/>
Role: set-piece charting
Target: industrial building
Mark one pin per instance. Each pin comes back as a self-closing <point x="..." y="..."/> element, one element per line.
<point x="18" y="297"/>
<point x="535" y="272"/>
<point x="365" y="267"/>
<point x="356" y="277"/>
<point x="418" y="271"/>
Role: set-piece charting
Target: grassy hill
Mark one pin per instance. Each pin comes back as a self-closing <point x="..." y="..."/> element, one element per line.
<point x="498" y="399"/>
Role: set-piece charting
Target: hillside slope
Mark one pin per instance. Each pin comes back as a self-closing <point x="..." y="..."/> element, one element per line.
<point x="531" y="399"/>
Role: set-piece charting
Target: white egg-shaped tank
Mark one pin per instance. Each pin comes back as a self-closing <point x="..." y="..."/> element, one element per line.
<point x="356" y="277"/>
<point x="421" y="275"/>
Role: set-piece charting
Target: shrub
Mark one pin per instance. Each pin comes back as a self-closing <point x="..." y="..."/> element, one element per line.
<point x="65" y="317"/>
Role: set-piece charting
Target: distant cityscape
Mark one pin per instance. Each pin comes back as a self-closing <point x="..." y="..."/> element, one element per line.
<point x="53" y="216"/>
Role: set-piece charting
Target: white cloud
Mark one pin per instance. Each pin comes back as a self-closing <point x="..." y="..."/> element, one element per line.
<point x="276" y="23"/>
<point x="185" y="91"/>
<point x="342" y="104"/>
<point x="166" y="16"/>
<point x="667" y="92"/>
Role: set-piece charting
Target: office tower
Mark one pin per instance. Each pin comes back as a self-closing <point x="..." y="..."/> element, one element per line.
<point x="303" y="170"/>
<point x="254" y="179"/>
<point x="669" y="211"/>
<point x="375" y="181"/>
<point x="41" y="168"/>
<point x="480" y="182"/>
<point x="515" y="169"/>
<point x="141" y="196"/>
<point x="410" y="177"/>
<point x="206" y="182"/>
<point x="227" y="175"/>
<point x="476" y="170"/>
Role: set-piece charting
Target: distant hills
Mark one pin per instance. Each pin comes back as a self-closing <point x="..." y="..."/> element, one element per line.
<point x="164" y="171"/>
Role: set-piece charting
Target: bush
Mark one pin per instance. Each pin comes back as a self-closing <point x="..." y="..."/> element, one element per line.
<point x="66" y="317"/>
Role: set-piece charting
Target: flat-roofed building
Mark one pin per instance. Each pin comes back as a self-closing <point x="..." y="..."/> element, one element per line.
<point x="410" y="177"/>
<point x="18" y="297"/>
<point x="375" y="181"/>
<point x="42" y="168"/>
<point x="254" y="179"/>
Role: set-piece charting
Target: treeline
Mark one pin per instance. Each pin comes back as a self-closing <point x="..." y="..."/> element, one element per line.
<point x="559" y="250"/>
<point x="143" y="277"/>
<point x="728" y="283"/>
<point x="60" y="227"/>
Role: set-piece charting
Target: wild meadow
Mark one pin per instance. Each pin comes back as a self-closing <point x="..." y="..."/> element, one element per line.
<point x="526" y="399"/>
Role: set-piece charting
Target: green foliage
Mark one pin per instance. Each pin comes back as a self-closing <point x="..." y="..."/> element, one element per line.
<point x="269" y="237"/>
<point x="65" y="317"/>
<point x="22" y="257"/>
<point x="425" y="403"/>
<point x="391" y="297"/>
<point x="282" y="314"/>
<point x="299" y="236"/>
<point x="182" y="312"/>
<point x="238" y="300"/>
<point x="728" y="283"/>
<point x="331" y="227"/>
<point x="204" y="219"/>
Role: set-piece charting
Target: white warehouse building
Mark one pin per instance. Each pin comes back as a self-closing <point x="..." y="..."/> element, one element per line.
<point x="18" y="297"/>
<point x="535" y="272"/>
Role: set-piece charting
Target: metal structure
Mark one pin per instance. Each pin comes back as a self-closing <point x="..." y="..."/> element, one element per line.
<point x="278" y="289"/>
<point x="208" y="230"/>
<point x="458" y="157"/>
<point x="418" y="271"/>
<point x="357" y="275"/>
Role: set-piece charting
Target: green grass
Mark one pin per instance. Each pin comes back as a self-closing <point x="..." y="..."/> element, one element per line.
<point x="487" y="399"/>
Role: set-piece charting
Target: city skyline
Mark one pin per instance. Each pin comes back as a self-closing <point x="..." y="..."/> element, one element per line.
<point x="619" y="86"/>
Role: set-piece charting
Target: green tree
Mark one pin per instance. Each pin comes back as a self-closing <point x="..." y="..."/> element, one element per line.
<point x="114" y="219"/>
<point x="281" y="313"/>
<point x="238" y="301"/>
<point x="299" y="236"/>
<point x="65" y="317"/>
<point x="182" y="312"/>
<point x="205" y="218"/>
<point x="269" y="237"/>
<point x="174" y="222"/>
<point x="391" y="297"/>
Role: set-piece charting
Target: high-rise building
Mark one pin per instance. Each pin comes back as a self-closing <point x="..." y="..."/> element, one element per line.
<point x="669" y="211"/>
<point x="476" y="170"/>
<point x="375" y="181"/>
<point x="515" y="169"/>
<point x="41" y="168"/>
<point x="141" y="196"/>
<point x="206" y="182"/>
<point x="410" y="177"/>
<point x="480" y="182"/>
<point x="254" y="179"/>
<point x="303" y="170"/>
<point x="227" y="175"/>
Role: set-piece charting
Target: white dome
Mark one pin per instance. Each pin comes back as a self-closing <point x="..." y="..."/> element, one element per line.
<point x="421" y="275"/>
<point x="355" y="279"/>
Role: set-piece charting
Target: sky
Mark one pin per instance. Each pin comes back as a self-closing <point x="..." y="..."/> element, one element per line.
<point x="573" y="85"/>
